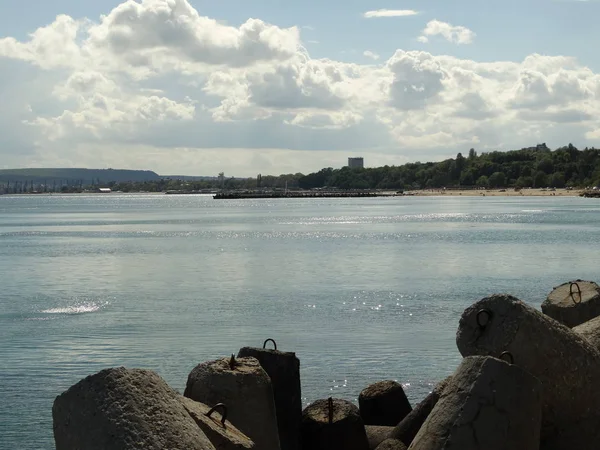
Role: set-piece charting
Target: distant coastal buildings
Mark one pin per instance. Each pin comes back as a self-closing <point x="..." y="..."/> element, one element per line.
<point x="356" y="162"/>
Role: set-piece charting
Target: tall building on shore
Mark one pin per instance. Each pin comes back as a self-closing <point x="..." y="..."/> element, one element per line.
<point x="357" y="162"/>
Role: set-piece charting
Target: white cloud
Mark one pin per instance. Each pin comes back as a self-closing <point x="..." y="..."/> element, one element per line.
<point x="390" y="13"/>
<point x="455" y="34"/>
<point x="372" y="55"/>
<point x="156" y="83"/>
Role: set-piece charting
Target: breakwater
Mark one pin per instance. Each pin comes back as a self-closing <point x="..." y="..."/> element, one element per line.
<point x="302" y="194"/>
<point x="523" y="384"/>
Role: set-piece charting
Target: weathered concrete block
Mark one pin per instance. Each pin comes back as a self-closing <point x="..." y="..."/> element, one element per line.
<point x="284" y="370"/>
<point x="391" y="444"/>
<point x="567" y="365"/>
<point x="408" y="428"/>
<point x="573" y="303"/>
<point x="488" y="405"/>
<point x="383" y="403"/>
<point x="123" y="409"/>
<point x="590" y="331"/>
<point x="333" y="424"/>
<point x="219" y="431"/>
<point x="376" y="434"/>
<point x="246" y="390"/>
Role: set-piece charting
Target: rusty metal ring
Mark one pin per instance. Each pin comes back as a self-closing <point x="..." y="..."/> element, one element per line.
<point x="330" y="404"/>
<point x="271" y="340"/>
<point x="223" y="412"/>
<point x="511" y="358"/>
<point x="479" y="315"/>
<point x="574" y="283"/>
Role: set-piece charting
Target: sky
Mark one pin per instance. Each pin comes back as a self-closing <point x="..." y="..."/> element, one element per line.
<point x="196" y="87"/>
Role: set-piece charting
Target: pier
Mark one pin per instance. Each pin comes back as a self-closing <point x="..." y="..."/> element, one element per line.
<point x="301" y="194"/>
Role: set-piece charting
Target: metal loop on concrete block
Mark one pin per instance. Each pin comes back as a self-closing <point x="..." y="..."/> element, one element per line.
<point x="508" y="357"/>
<point x="270" y="340"/>
<point x="223" y="412"/>
<point x="574" y="283"/>
<point x="483" y="318"/>
<point x="330" y="405"/>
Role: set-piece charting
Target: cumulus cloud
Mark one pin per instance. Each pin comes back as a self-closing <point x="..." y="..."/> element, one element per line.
<point x="390" y="13"/>
<point x="372" y="55"/>
<point x="158" y="77"/>
<point x="455" y="34"/>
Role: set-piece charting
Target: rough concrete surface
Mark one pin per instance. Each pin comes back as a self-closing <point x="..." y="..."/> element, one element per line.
<point x="224" y="436"/>
<point x="590" y="331"/>
<point x="124" y="409"/>
<point x="391" y="444"/>
<point x="284" y="370"/>
<point x="383" y="403"/>
<point x="376" y="434"/>
<point x="488" y="405"/>
<point x="567" y="365"/>
<point x="247" y="392"/>
<point x="345" y="431"/>
<point x="408" y="428"/>
<point x="573" y="303"/>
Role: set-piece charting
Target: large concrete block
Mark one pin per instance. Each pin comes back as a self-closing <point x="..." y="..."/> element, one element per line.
<point x="567" y="365"/>
<point x="573" y="303"/>
<point x="220" y="431"/>
<point x="383" y="403"/>
<point x="590" y="331"/>
<point x="408" y="428"/>
<point x="284" y="370"/>
<point x="376" y="434"/>
<point x="391" y="444"/>
<point x="333" y="424"/>
<point x="488" y="405"/>
<point x="245" y="388"/>
<point x="124" y="409"/>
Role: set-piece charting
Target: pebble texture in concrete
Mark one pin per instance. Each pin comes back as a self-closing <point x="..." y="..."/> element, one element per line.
<point x="123" y="409"/>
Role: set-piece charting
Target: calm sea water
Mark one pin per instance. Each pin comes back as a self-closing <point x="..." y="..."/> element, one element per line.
<point x="361" y="289"/>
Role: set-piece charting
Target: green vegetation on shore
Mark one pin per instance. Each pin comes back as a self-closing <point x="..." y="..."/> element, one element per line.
<point x="536" y="167"/>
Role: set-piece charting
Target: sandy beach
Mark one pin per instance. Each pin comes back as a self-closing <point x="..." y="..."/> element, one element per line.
<point x="509" y="192"/>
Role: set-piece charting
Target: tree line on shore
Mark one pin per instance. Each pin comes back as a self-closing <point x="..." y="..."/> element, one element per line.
<point x="535" y="167"/>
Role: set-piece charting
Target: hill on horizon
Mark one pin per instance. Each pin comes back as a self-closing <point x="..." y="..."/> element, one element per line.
<point x="83" y="176"/>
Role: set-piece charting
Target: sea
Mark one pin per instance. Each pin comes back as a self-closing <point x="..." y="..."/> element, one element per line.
<point x="362" y="290"/>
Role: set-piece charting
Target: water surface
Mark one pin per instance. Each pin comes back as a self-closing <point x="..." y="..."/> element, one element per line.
<point x="360" y="289"/>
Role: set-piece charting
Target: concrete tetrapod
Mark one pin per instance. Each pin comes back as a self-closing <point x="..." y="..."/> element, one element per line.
<point x="573" y="303"/>
<point x="488" y="405"/>
<point x="408" y="428"/>
<point x="391" y="444"/>
<point x="333" y="424"/>
<point x="123" y="409"/>
<point x="566" y="364"/>
<point x="376" y="434"/>
<point x="383" y="403"/>
<point x="245" y="388"/>
<point x="590" y="331"/>
<point x="220" y="432"/>
<point x="284" y="370"/>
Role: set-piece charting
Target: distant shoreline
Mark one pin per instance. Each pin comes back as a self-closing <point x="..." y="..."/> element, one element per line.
<point x="509" y="192"/>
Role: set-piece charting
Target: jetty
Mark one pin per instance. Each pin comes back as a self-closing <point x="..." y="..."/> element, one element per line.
<point x="525" y="383"/>
<point x="229" y="195"/>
